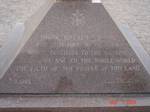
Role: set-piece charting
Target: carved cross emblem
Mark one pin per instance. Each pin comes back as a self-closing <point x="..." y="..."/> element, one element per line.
<point x="78" y="18"/>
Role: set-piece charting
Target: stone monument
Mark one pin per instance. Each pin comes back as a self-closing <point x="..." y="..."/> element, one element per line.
<point x="77" y="49"/>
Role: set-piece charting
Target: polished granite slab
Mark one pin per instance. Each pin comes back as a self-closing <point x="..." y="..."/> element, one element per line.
<point x="77" y="48"/>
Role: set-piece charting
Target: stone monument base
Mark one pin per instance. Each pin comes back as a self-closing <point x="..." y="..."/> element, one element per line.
<point x="78" y="60"/>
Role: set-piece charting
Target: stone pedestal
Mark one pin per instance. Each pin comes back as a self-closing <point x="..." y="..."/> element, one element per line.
<point x="78" y="60"/>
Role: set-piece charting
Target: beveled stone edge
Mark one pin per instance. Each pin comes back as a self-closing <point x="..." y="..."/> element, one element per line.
<point x="21" y="32"/>
<point x="9" y="50"/>
<point x="136" y="46"/>
<point x="71" y="101"/>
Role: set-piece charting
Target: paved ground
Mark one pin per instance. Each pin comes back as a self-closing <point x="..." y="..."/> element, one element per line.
<point x="13" y="11"/>
<point x="135" y="13"/>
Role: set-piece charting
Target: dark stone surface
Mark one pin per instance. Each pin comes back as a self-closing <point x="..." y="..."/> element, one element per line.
<point x="108" y="109"/>
<point x="77" y="48"/>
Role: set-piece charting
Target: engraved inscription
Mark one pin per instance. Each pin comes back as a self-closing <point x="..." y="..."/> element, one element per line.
<point x="76" y="49"/>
